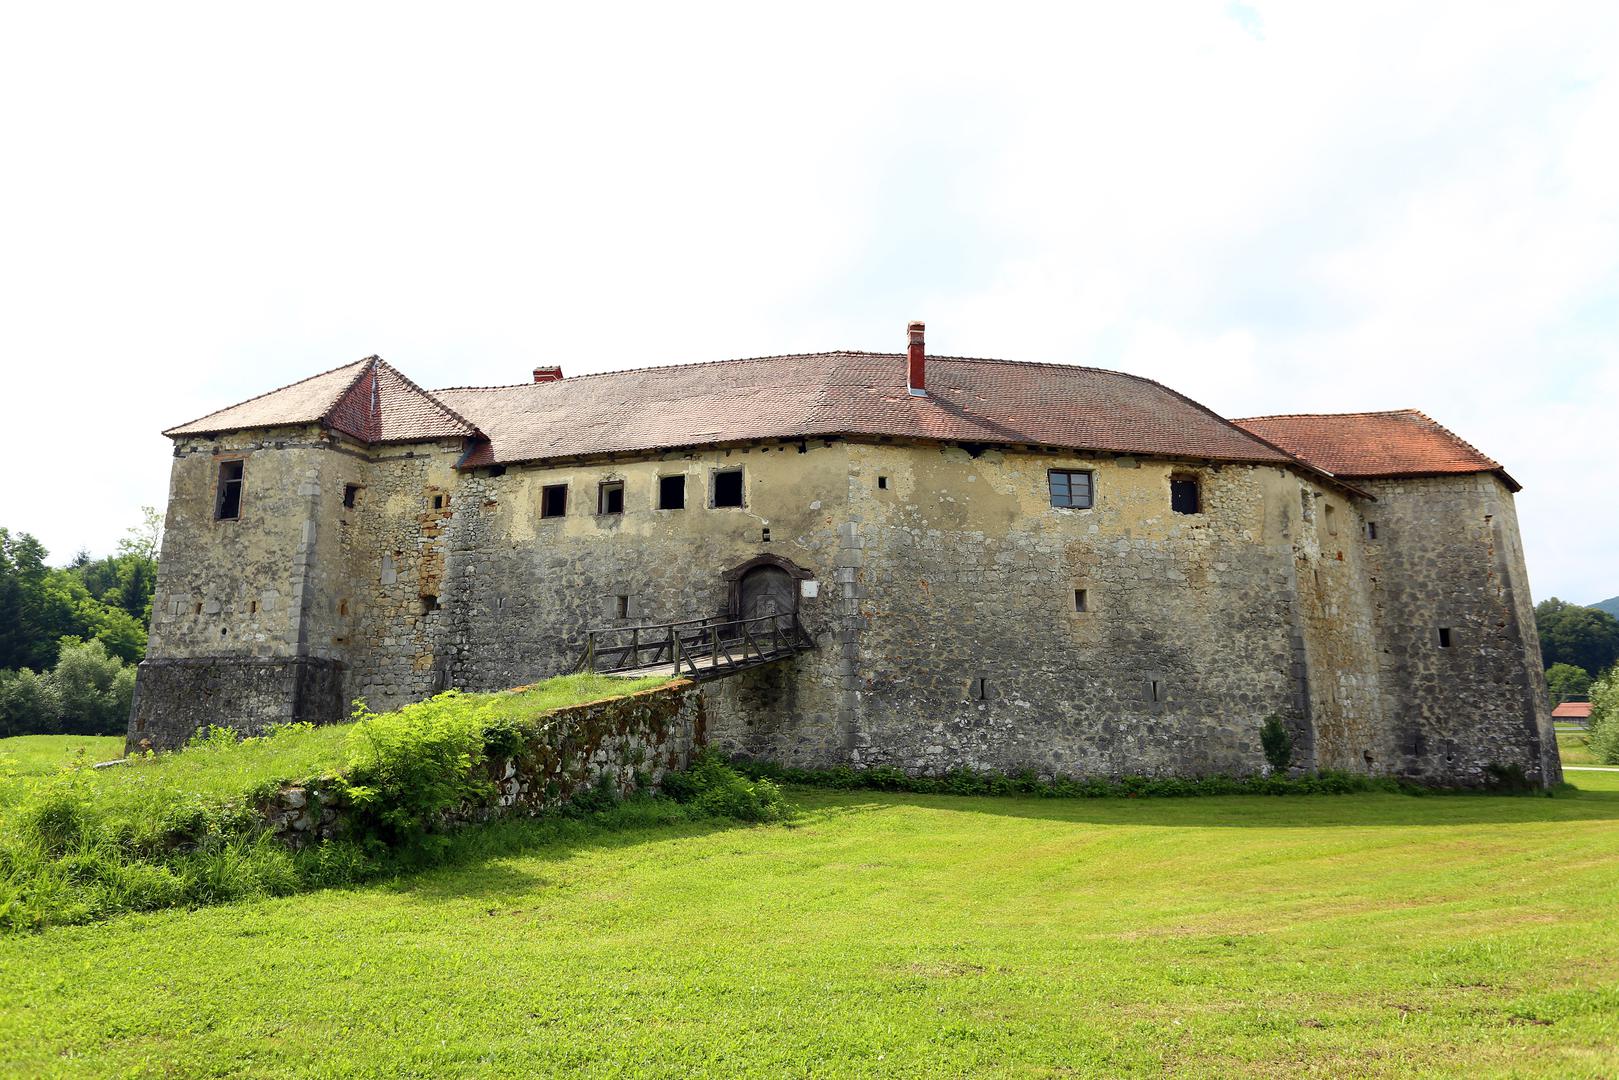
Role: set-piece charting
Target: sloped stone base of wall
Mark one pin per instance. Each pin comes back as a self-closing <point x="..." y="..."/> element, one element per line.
<point x="173" y="698"/>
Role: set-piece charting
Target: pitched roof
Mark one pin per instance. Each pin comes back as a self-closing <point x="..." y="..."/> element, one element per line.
<point x="1371" y="445"/>
<point x="1572" y="710"/>
<point x="846" y="393"/>
<point x="368" y="399"/>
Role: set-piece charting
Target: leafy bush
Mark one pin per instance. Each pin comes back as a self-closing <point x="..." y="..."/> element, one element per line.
<point x="964" y="782"/>
<point x="713" y="788"/>
<point x="28" y="703"/>
<point x="407" y="767"/>
<point x="1277" y="742"/>
<point x="1604" y="737"/>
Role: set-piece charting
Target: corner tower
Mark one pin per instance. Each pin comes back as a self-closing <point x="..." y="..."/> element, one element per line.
<point x="254" y="615"/>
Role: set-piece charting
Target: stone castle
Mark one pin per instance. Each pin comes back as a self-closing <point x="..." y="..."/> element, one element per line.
<point x="1000" y="565"/>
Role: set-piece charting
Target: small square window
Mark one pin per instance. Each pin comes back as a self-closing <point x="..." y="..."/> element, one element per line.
<point x="1185" y="495"/>
<point x="1081" y="600"/>
<point x="429" y="603"/>
<point x="228" y="496"/>
<point x="672" y="492"/>
<point x="351" y="495"/>
<point x="610" y="497"/>
<point x="438" y="502"/>
<point x="1444" y="637"/>
<point x="554" y="501"/>
<point x="728" y="488"/>
<point x="1070" y="488"/>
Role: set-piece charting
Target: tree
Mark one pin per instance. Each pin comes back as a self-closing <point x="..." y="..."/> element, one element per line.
<point x="1581" y="636"/>
<point x="1604" y="737"/>
<point x="1566" y="681"/>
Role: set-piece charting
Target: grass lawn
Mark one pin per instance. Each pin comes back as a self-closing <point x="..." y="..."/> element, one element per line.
<point x="41" y="755"/>
<point x="894" y="934"/>
<point x="1572" y="746"/>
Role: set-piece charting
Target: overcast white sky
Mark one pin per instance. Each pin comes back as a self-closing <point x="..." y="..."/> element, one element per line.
<point x="1270" y="207"/>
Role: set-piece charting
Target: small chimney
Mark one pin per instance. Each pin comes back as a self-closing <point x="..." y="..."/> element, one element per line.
<point x="916" y="361"/>
<point x="547" y="374"/>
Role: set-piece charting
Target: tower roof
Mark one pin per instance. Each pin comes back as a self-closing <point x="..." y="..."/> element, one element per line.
<point x="1374" y="445"/>
<point x="369" y="399"/>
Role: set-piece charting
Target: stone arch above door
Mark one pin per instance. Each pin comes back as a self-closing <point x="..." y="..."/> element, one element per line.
<point x="770" y="565"/>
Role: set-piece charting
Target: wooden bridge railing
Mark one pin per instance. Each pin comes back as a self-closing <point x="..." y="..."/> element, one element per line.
<point x="697" y="648"/>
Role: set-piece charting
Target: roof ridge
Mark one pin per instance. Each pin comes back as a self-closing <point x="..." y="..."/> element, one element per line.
<point x="827" y="352"/>
<point x="1322" y="415"/>
<point x="288" y="386"/>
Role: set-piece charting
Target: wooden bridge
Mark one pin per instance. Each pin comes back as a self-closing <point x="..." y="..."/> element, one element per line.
<point x="699" y="649"/>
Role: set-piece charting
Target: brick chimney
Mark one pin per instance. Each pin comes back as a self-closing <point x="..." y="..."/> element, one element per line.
<point x="547" y="374"/>
<point x="916" y="361"/>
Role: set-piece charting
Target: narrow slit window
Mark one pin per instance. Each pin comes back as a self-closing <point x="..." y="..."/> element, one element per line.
<point x="1081" y="600"/>
<point x="351" y="495"/>
<point x="621" y="606"/>
<point x="1070" y="488"/>
<point x="882" y="482"/>
<point x="1371" y="530"/>
<point x="1156" y="690"/>
<point x="554" y="501"/>
<point x="1444" y="637"/>
<point x="228" y="498"/>
<point x="610" y="497"/>
<point x="672" y="492"/>
<point x="728" y="488"/>
<point x="1185" y="495"/>
<point x="438" y="502"/>
<point x="980" y="689"/>
<point x="765" y="536"/>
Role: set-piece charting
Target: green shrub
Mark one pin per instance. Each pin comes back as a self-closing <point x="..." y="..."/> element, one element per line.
<point x="713" y="788"/>
<point x="407" y="767"/>
<point x="1604" y="737"/>
<point x="1277" y="742"/>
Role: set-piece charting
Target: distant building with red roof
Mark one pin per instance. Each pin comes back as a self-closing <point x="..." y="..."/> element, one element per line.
<point x="999" y="565"/>
<point x="1572" y="712"/>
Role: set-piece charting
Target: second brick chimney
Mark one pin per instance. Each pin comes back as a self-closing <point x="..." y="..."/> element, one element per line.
<point x="916" y="361"/>
<point x="547" y="374"/>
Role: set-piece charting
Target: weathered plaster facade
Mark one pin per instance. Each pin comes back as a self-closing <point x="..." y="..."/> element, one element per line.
<point x="960" y="619"/>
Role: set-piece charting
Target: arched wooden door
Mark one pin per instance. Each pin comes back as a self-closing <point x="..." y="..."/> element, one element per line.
<point x="768" y="590"/>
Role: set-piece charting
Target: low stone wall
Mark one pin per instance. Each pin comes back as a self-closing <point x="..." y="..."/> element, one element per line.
<point x="632" y="740"/>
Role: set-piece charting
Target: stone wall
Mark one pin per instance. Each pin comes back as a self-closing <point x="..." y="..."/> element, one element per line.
<point x="175" y="697"/>
<point x="632" y="741"/>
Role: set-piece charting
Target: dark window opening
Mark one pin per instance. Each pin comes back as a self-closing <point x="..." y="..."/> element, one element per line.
<point x="621" y="606"/>
<point x="1070" y="488"/>
<point x="228" y="499"/>
<point x="728" y="488"/>
<point x="1185" y="496"/>
<point x="882" y="482"/>
<point x="1371" y="530"/>
<point x="198" y="610"/>
<point x="497" y="470"/>
<point x="980" y="689"/>
<point x="554" y="500"/>
<point x="1156" y="690"/>
<point x="671" y="493"/>
<point x="438" y="502"/>
<point x="765" y="538"/>
<point x="351" y="493"/>
<point x="610" y="497"/>
<point x="1444" y="637"/>
<point x="343" y="609"/>
<point x="429" y="603"/>
<point x="252" y="607"/>
<point x="1081" y="600"/>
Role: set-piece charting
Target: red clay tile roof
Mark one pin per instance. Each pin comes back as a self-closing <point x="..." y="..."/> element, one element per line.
<point x="368" y="399"/>
<point x="846" y="393"/>
<point x="1572" y="710"/>
<point x="1370" y="445"/>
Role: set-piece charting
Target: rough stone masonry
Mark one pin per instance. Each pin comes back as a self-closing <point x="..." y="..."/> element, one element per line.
<point x="1009" y="566"/>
